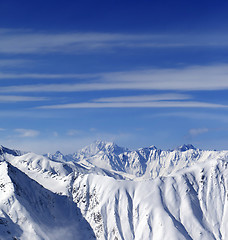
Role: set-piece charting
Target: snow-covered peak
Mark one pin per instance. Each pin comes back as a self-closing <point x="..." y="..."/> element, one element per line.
<point x="58" y="153"/>
<point x="152" y="147"/>
<point x="106" y="158"/>
<point x="58" y="156"/>
<point x="101" y="146"/>
<point x="188" y="187"/>
<point x="185" y="147"/>
<point x="145" y="163"/>
<point x="13" y="152"/>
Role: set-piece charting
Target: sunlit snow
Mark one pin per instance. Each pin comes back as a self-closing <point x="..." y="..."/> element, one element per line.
<point x="108" y="192"/>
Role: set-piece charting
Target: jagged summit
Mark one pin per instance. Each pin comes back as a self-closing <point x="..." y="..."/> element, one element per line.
<point x="108" y="158"/>
<point x="152" y="147"/>
<point x="106" y="147"/>
<point x="185" y="147"/>
<point x="58" y="156"/>
<point x="103" y="147"/>
<point x="115" y="207"/>
<point x="13" y="152"/>
<point x="58" y="153"/>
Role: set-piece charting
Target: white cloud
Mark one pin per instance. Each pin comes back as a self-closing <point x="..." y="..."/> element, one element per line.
<point x="193" y="115"/>
<point x="153" y="104"/>
<point x="10" y="98"/>
<point x="197" y="131"/>
<point x="13" y="62"/>
<point x="30" y="42"/>
<point x="193" y="78"/>
<point x="93" y="129"/>
<point x="46" y="76"/>
<point x="73" y="132"/>
<point x="27" y="132"/>
<point x="26" y="42"/>
<point x="55" y="134"/>
<point x="145" y="98"/>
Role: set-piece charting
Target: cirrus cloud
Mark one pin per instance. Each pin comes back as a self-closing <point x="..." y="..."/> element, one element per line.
<point x="24" y="133"/>
<point x="21" y="41"/>
<point x="193" y="78"/>
<point x="197" y="131"/>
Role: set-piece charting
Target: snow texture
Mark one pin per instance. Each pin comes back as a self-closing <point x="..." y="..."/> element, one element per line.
<point x="108" y="192"/>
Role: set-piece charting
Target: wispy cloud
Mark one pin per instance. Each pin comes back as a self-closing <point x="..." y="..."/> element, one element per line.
<point x="193" y="115"/>
<point x="11" y="98"/>
<point x="46" y="76"/>
<point x="197" y="131"/>
<point x="55" y="134"/>
<point x="73" y="132"/>
<point x="193" y="78"/>
<point x="153" y="104"/>
<point x="13" y="62"/>
<point x="24" y="133"/>
<point x="14" y="41"/>
<point x="144" y="98"/>
<point x="171" y="100"/>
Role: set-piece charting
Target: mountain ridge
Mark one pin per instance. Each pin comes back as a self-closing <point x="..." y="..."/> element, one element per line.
<point x="148" y="162"/>
<point x="184" y="195"/>
<point x="37" y="213"/>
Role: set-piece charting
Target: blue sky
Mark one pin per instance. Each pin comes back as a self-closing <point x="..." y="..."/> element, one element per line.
<point x="138" y="73"/>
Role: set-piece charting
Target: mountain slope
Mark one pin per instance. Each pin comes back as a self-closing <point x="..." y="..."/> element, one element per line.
<point x="28" y="211"/>
<point x="189" y="205"/>
<point x="186" y="197"/>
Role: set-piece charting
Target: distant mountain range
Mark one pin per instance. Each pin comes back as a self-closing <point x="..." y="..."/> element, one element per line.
<point x="144" y="163"/>
<point x="108" y="192"/>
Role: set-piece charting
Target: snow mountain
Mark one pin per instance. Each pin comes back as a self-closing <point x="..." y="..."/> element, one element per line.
<point x="144" y="163"/>
<point x="29" y="211"/>
<point x="108" y="192"/>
